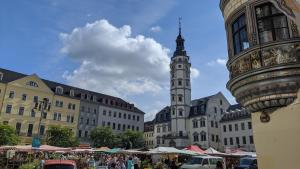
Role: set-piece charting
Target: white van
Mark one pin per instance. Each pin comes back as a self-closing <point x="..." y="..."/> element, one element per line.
<point x="202" y="162"/>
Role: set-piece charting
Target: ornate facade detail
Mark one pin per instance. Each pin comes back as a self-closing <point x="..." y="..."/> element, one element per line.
<point x="271" y="56"/>
<point x="265" y="75"/>
<point x="294" y="28"/>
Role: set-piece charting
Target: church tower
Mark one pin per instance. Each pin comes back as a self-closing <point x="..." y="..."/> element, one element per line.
<point x="180" y="92"/>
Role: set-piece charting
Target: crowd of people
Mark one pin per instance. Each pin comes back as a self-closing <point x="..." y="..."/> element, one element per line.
<point x="110" y="161"/>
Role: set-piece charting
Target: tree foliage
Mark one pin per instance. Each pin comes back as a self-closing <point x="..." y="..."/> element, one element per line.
<point x="61" y="137"/>
<point x="105" y="137"/>
<point x="132" y="139"/>
<point x="8" y="135"/>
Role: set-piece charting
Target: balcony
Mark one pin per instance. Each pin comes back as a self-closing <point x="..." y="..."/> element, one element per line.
<point x="266" y="77"/>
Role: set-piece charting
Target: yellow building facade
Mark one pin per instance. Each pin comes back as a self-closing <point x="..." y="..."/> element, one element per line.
<point x="20" y="97"/>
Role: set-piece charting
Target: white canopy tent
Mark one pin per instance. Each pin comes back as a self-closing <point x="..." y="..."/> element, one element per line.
<point x="169" y="150"/>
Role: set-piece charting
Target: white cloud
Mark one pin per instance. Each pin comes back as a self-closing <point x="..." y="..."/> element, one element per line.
<point x="155" y="29"/>
<point x="219" y="61"/>
<point x="114" y="62"/>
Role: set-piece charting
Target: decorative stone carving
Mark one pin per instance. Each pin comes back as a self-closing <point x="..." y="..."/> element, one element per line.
<point x="294" y="28"/>
<point x="255" y="60"/>
<point x="274" y="85"/>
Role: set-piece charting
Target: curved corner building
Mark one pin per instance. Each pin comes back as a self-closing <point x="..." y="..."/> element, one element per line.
<point x="264" y="66"/>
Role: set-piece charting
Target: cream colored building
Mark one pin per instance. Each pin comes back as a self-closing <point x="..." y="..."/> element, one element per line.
<point x="149" y="134"/>
<point x="20" y="93"/>
<point x="77" y="109"/>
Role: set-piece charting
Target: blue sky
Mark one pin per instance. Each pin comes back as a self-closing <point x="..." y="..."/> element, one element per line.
<point x="52" y="38"/>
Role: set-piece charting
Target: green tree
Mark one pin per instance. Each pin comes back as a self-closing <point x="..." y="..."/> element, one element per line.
<point x="8" y="135"/>
<point x="103" y="136"/>
<point x="61" y="137"/>
<point x="132" y="139"/>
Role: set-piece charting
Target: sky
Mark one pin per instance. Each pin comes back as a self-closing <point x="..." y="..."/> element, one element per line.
<point x="116" y="47"/>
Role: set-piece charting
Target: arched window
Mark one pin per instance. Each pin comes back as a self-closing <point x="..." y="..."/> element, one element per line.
<point x="180" y="97"/>
<point x="202" y="122"/>
<point x="180" y="112"/>
<point x="72" y="93"/>
<point x="203" y="136"/>
<point x="195" y="123"/>
<point x="32" y="84"/>
<point x="59" y="90"/>
<point x="196" y="136"/>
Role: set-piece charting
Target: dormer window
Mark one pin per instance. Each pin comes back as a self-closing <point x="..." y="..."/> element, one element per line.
<point x="72" y="93"/>
<point x="94" y="98"/>
<point x="1" y="75"/>
<point x="59" y="90"/>
<point x="31" y="83"/>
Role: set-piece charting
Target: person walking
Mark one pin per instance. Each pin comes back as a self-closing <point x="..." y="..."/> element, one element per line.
<point x="130" y="163"/>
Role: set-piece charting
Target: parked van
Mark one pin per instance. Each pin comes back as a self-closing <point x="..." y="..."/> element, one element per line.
<point x="203" y="162"/>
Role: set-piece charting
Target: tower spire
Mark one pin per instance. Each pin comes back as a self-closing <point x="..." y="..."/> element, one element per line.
<point x="179" y="24"/>
<point x="179" y="42"/>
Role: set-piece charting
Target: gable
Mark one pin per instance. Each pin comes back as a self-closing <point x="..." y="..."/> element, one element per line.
<point x="32" y="82"/>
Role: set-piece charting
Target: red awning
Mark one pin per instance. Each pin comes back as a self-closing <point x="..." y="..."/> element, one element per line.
<point x="195" y="149"/>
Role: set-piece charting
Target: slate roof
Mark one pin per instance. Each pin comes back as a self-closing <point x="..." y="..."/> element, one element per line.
<point x="163" y="116"/>
<point x="198" y="108"/>
<point x="112" y="101"/>
<point x="235" y="112"/>
<point x="148" y="126"/>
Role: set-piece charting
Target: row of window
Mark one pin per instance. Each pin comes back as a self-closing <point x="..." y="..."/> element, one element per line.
<point x="214" y="124"/>
<point x="87" y="121"/>
<point x="215" y="138"/>
<point x="125" y="116"/>
<point x="29" y="129"/>
<point x="119" y="126"/>
<point x="202" y="123"/>
<point x="179" y="82"/>
<point x="237" y="140"/>
<point x="59" y="103"/>
<point x="202" y="137"/>
<point x="164" y="128"/>
<point x="36" y="99"/>
<point x="56" y="116"/>
<point x="236" y="127"/>
<point x="148" y="142"/>
<point x="180" y="112"/>
<point x="24" y="97"/>
<point x="148" y="135"/>
<point x="179" y="98"/>
<point x="271" y="24"/>
<point x="82" y="109"/>
<point x="216" y="109"/>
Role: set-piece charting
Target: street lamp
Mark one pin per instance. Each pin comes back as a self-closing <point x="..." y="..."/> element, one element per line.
<point x="40" y="106"/>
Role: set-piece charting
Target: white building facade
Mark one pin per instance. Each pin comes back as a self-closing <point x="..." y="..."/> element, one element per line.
<point x="237" y="130"/>
<point x="188" y="121"/>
